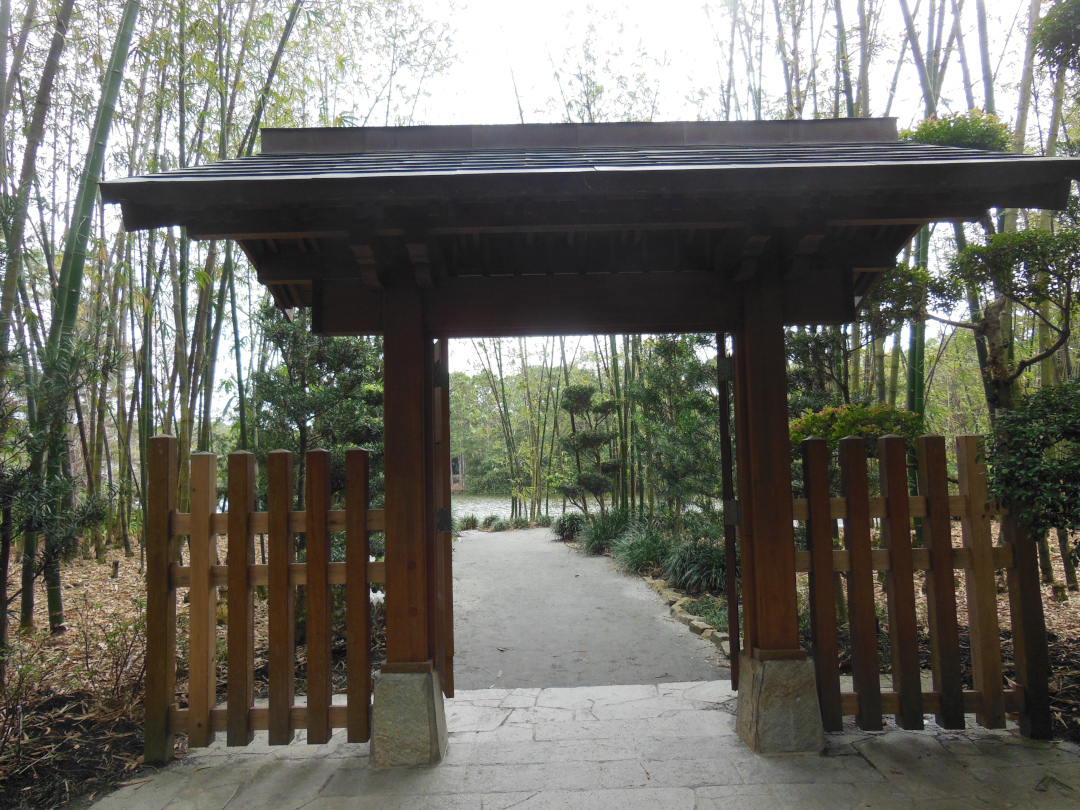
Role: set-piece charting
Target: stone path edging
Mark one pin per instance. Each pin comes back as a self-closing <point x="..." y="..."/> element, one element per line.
<point x="698" y="626"/>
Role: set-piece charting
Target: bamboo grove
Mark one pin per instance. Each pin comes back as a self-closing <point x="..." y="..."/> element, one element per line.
<point x="107" y="338"/>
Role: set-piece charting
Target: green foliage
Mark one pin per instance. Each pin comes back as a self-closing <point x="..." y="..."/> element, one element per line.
<point x="641" y="547"/>
<point x="1057" y="35"/>
<point x="489" y="521"/>
<point x="973" y="129"/>
<point x="467" y="523"/>
<point x="695" y="566"/>
<point x="568" y="526"/>
<point x="1034" y="458"/>
<point x="870" y="421"/>
<point x="544" y="520"/>
<point x="602" y="530"/>
<point x="713" y="609"/>
<point x="519" y="522"/>
<point x="499" y="525"/>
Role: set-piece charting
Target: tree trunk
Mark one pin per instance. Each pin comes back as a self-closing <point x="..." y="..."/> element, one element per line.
<point x="1067" y="559"/>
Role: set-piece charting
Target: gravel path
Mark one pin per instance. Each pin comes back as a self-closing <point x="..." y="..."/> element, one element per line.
<point x="532" y="612"/>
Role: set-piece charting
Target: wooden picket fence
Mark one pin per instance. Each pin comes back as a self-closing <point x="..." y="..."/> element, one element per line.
<point x="202" y="577"/>
<point x="978" y="557"/>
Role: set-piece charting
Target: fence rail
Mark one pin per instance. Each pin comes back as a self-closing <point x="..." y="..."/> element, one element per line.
<point x="979" y="559"/>
<point x="239" y="718"/>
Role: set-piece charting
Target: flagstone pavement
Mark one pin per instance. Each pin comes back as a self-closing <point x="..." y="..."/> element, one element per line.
<point x="668" y="746"/>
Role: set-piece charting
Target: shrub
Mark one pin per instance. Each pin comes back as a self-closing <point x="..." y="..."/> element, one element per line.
<point x="695" y="566"/>
<point x="713" y="609"/>
<point x="543" y="520"/>
<point x="569" y="526"/>
<point x="489" y="521"/>
<point x="519" y="523"/>
<point x="640" y="548"/>
<point x="468" y="523"/>
<point x="602" y="530"/>
<point x="499" y="525"/>
<point x="871" y="422"/>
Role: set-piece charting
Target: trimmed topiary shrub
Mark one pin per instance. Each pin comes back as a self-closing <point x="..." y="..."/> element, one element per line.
<point x="569" y="526"/>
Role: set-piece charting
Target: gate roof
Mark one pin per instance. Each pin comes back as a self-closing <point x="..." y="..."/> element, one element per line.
<point x="532" y="229"/>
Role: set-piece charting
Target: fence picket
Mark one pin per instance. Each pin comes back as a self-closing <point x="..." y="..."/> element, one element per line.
<point x="281" y="598"/>
<point x="823" y="636"/>
<point x="980" y="585"/>
<point x="941" y="587"/>
<point x="319" y="683"/>
<point x="900" y="582"/>
<point x="202" y="646"/>
<point x="357" y="597"/>
<point x="862" y="618"/>
<point x="241" y="627"/>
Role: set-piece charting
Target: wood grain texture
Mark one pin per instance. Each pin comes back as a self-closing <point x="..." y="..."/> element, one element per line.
<point x="161" y="552"/>
<point x="281" y="597"/>
<point x="743" y="462"/>
<point x="981" y="585"/>
<point x="319" y="683"/>
<point x="406" y="468"/>
<point x="357" y="597"/>
<point x="202" y="647"/>
<point x="862" y="617"/>
<point x="900" y="582"/>
<point x="241" y="628"/>
<point x="940" y="582"/>
<point x="445" y="540"/>
<point x="823" y="630"/>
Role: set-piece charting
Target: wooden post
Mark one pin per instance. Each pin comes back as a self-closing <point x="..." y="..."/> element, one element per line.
<point x="320" y="687"/>
<point x="727" y="492"/>
<point x="281" y="597"/>
<point x="357" y="597"/>
<point x="854" y="486"/>
<point x="1030" y="652"/>
<point x="161" y="551"/>
<point x="202" y="647"/>
<point x="241" y="628"/>
<point x="746" y="516"/>
<point x="980" y="583"/>
<point x="445" y="536"/>
<point x="941" y="582"/>
<point x="404" y="398"/>
<point x="823" y="634"/>
<point x="900" y="581"/>
<point x="765" y="480"/>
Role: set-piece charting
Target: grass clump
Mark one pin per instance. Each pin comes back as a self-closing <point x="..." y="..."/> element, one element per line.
<point x="713" y="609"/>
<point x="519" y="522"/>
<point x="499" y="525"/>
<point x="641" y="547"/>
<point x="544" y="521"/>
<point x="488" y="522"/>
<point x="569" y="526"/>
<point x="695" y="566"/>
<point x="602" y="530"/>
<point x="468" y="523"/>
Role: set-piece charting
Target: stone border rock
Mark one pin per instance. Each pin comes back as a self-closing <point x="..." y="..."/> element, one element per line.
<point x="698" y="626"/>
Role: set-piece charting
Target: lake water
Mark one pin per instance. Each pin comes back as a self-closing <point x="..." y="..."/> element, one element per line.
<point x="463" y="503"/>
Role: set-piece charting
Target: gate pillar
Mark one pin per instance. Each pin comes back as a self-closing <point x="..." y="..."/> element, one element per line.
<point x="408" y="721"/>
<point x="778" y="706"/>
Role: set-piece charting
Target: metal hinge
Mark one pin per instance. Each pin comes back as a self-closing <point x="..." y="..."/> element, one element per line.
<point x="725" y="369"/>
<point x="443" y="521"/>
<point x="732" y="513"/>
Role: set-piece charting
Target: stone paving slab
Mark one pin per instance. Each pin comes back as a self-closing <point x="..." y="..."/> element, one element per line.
<point x="667" y="746"/>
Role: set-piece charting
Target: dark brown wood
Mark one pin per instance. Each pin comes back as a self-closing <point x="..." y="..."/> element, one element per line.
<point x="319" y="684"/>
<point x="404" y="398"/>
<point x="357" y="597"/>
<point x="941" y="582"/>
<point x="241" y="627"/>
<point x="727" y="490"/>
<point x="1030" y="652"/>
<point x="281" y="597"/>
<point x="445" y="539"/>
<point x="743" y="461"/>
<point x="769" y="473"/>
<point x="161" y="552"/>
<point x="823" y="631"/>
<point x="862" y="617"/>
<point x="202" y="625"/>
<point x="900" y="582"/>
<point x="981" y="582"/>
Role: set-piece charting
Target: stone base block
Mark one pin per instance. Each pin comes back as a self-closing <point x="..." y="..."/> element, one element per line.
<point x="778" y="706"/>
<point x="408" y="723"/>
